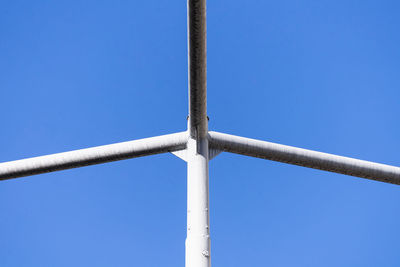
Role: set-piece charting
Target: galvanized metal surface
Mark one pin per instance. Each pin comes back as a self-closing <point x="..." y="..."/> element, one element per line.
<point x="305" y="158"/>
<point x="197" y="57"/>
<point x="94" y="155"/>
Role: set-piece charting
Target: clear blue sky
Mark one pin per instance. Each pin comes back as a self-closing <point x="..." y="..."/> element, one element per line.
<point x="322" y="75"/>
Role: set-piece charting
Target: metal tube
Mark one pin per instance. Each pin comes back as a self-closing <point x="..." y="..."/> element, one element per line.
<point x="197" y="57"/>
<point x="305" y="158"/>
<point x="94" y="155"/>
<point x="198" y="233"/>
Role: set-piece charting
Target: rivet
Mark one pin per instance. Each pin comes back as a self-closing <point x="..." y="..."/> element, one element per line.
<point x="205" y="253"/>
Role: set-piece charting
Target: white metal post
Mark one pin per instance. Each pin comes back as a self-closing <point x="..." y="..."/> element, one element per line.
<point x="198" y="232"/>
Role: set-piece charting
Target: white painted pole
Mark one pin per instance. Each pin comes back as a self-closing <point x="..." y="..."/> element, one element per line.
<point x="198" y="232"/>
<point x="197" y="68"/>
<point x="304" y="157"/>
<point x="93" y="155"/>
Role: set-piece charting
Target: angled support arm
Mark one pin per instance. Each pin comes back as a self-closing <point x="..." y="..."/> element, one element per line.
<point x="304" y="157"/>
<point x="94" y="155"/>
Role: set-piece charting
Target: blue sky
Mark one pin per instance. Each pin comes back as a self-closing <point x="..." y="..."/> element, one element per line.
<point x="322" y="75"/>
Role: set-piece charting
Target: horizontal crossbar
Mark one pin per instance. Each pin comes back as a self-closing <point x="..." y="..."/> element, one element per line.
<point x="217" y="141"/>
<point x="94" y="155"/>
<point x="304" y="157"/>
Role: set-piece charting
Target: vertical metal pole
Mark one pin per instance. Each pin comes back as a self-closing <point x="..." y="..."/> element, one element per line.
<point x="198" y="234"/>
<point x="197" y="57"/>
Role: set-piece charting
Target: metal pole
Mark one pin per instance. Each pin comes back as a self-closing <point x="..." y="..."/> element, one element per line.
<point x="92" y="156"/>
<point x="304" y="157"/>
<point x="197" y="60"/>
<point x="198" y="233"/>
